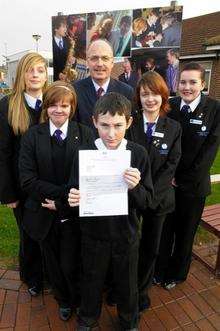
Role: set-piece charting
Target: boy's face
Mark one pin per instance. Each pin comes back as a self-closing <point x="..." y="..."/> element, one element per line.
<point x="111" y="129"/>
<point x="61" y="31"/>
<point x="190" y="85"/>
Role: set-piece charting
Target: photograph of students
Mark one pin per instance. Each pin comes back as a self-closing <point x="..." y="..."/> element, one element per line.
<point x="19" y="111"/>
<point x="160" y="27"/>
<point x="60" y="45"/>
<point x="113" y="240"/>
<point x="161" y="136"/>
<point x="45" y="162"/>
<point x="199" y="117"/>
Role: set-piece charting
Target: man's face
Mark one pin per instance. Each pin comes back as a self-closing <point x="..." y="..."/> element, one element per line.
<point x="61" y="31"/>
<point x="100" y="61"/>
<point x="148" y="65"/>
<point x="190" y="85"/>
<point x="170" y="58"/>
<point x="111" y="129"/>
<point x="124" y="28"/>
<point x="126" y="65"/>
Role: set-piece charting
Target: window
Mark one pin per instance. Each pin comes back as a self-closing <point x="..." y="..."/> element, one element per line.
<point x="207" y="65"/>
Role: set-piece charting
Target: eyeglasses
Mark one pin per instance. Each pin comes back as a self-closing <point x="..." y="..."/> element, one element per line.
<point x="96" y="58"/>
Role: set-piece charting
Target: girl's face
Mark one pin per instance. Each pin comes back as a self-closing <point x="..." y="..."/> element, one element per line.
<point x="150" y="101"/>
<point x="35" y="78"/>
<point x="59" y="112"/>
<point x="190" y="85"/>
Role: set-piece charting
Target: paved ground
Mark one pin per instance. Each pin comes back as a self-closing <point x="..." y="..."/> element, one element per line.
<point x="193" y="305"/>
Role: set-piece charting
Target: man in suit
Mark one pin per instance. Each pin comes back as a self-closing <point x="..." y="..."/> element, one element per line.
<point x="129" y="76"/>
<point x="172" y="71"/>
<point x="199" y="117"/>
<point x="88" y="90"/>
<point x="60" y="46"/>
<point x="120" y="39"/>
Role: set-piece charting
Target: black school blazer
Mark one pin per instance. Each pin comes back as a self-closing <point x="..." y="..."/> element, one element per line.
<point x="37" y="174"/>
<point x="200" y="143"/>
<point x="164" y="153"/>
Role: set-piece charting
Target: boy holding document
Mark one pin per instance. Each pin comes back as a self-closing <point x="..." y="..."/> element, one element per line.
<point x="114" y="239"/>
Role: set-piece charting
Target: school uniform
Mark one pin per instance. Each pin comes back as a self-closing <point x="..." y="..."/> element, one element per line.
<point x="30" y="260"/>
<point x="44" y="166"/>
<point x="60" y="53"/>
<point x="164" y="148"/>
<point x="200" y="141"/>
<point x="114" y="240"/>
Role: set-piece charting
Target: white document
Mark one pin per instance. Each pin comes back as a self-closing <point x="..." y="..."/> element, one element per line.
<point x="103" y="190"/>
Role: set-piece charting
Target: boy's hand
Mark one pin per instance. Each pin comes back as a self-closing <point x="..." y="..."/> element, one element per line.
<point x="50" y="204"/>
<point x="132" y="177"/>
<point x="74" y="197"/>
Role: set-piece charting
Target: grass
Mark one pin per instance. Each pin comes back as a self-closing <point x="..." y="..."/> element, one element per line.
<point x="215" y="169"/>
<point x="8" y="238"/>
<point x="9" y="233"/>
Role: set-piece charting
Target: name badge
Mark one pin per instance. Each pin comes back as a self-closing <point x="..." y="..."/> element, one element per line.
<point x="158" y="134"/>
<point x="198" y="122"/>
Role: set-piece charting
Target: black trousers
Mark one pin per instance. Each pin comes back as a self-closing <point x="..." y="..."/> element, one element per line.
<point x="152" y="226"/>
<point x="30" y="257"/>
<point x="97" y="255"/>
<point x="177" y="238"/>
<point x="61" y="250"/>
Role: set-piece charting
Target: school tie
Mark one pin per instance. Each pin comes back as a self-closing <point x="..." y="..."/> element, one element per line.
<point x="185" y="109"/>
<point x="149" y="131"/>
<point x="99" y="92"/>
<point x="61" y="44"/>
<point x="57" y="135"/>
<point x="38" y="105"/>
<point x="121" y="40"/>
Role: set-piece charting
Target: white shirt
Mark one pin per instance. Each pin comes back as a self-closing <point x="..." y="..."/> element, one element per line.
<point x="57" y="40"/>
<point x="63" y="128"/>
<point x="101" y="146"/>
<point x="104" y="86"/>
<point x="31" y="101"/>
<point x="146" y="121"/>
<point x="192" y="104"/>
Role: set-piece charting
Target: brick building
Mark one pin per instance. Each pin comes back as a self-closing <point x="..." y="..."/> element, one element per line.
<point x="201" y="43"/>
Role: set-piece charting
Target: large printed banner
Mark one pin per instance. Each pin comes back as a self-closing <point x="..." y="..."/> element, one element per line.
<point x="148" y="37"/>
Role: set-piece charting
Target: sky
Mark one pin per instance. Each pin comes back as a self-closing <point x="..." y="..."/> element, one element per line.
<point x="20" y="19"/>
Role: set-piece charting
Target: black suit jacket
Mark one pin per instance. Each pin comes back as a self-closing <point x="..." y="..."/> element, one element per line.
<point x="59" y="58"/>
<point x="164" y="153"/>
<point x="86" y="97"/>
<point x="37" y="174"/>
<point x="132" y="81"/>
<point x="200" y="144"/>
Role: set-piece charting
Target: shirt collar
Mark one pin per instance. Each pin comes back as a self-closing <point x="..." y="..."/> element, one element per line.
<point x="101" y="146"/>
<point x="104" y="86"/>
<point x="192" y="104"/>
<point x="63" y="128"/>
<point x="31" y="101"/>
<point x="146" y="121"/>
<point x="57" y="40"/>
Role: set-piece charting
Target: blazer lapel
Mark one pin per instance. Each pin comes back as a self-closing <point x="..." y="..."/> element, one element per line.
<point x="72" y="143"/>
<point x="45" y="154"/>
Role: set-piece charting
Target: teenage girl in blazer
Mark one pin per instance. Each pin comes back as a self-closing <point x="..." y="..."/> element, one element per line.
<point x="161" y="137"/>
<point x="45" y="161"/>
<point x="199" y="117"/>
<point x="19" y="111"/>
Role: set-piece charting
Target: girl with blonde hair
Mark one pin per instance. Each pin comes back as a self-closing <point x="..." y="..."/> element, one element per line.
<point x="19" y="111"/>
